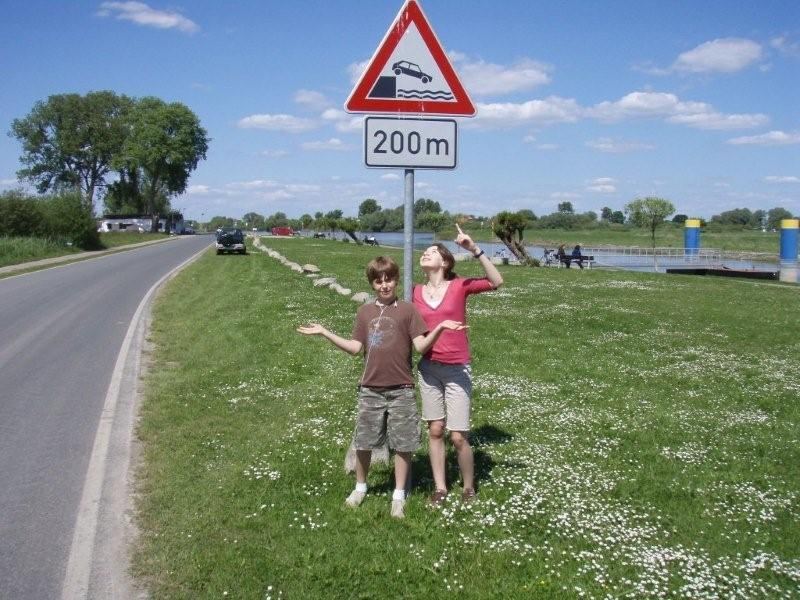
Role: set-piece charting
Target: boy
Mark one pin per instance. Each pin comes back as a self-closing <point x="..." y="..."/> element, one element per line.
<point x="385" y="330"/>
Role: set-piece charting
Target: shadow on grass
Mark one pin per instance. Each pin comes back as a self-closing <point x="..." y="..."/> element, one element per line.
<point x="422" y="476"/>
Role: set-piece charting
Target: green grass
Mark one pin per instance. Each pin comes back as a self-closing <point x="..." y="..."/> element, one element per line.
<point x="125" y="238"/>
<point x="667" y="236"/>
<point x="635" y="435"/>
<point x="17" y="250"/>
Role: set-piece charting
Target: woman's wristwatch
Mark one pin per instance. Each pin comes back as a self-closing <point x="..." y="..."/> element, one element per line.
<point x="479" y="254"/>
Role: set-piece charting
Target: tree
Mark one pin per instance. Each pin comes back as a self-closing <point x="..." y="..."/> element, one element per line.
<point x="334" y="214"/>
<point x="349" y="225"/>
<point x="306" y="220"/>
<point x="759" y="219"/>
<point x="254" y="220"/>
<point x="426" y="205"/>
<point x="565" y="207"/>
<point x="737" y="216"/>
<point x="69" y="141"/>
<point x="165" y="142"/>
<point x="368" y="206"/>
<point x="432" y="221"/>
<point x="509" y="227"/>
<point x="528" y="215"/>
<point x="618" y="217"/>
<point x="218" y="221"/>
<point x="606" y="213"/>
<point x="649" y="212"/>
<point x="776" y="215"/>
<point x="680" y="219"/>
<point x="279" y="219"/>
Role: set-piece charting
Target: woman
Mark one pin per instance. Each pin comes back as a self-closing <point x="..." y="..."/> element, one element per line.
<point x="445" y="379"/>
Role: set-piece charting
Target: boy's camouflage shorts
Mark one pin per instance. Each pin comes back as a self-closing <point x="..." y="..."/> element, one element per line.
<point x="387" y="415"/>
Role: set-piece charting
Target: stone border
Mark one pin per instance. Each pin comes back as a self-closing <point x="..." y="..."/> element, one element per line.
<point x="313" y="272"/>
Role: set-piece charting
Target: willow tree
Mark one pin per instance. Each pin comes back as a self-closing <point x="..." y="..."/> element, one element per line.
<point x="510" y="227"/>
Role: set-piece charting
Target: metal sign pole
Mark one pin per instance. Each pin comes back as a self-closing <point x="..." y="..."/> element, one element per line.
<point x="408" y="240"/>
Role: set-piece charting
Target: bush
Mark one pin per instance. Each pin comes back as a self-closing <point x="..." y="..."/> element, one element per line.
<point x="68" y="218"/>
<point x="61" y="218"/>
<point x="21" y="215"/>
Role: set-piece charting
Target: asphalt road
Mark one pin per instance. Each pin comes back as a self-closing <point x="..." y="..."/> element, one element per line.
<point x="61" y="330"/>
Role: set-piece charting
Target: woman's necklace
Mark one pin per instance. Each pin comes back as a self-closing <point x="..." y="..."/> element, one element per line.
<point x="435" y="291"/>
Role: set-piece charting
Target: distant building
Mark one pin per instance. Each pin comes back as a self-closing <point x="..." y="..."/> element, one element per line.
<point x="138" y="223"/>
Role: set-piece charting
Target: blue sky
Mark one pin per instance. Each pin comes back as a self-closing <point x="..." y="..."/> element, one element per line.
<point x="595" y="103"/>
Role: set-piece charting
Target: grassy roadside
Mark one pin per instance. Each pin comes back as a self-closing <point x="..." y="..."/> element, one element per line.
<point x="17" y="250"/>
<point x="635" y="435"/>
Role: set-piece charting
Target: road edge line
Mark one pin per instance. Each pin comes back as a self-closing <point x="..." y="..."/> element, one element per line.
<point x="79" y="563"/>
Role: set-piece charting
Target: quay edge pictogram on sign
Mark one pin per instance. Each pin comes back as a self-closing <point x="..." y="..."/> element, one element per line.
<point x="410" y="73"/>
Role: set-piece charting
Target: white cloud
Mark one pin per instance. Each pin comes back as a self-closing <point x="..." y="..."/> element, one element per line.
<point x="198" y="190"/>
<point x="714" y="120"/>
<point x="311" y="99"/>
<point x="287" y="123"/>
<point x="564" y="195"/>
<point x="602" y="185"/>
<point x="356" y="70"/>
<point x="547" y="147"/>
<point x="612" y="146"/>
<point x="699" y="115"/>
<point x="725" y="55"/>
<point x="529" y="139"/>
<point x="390" y="176"/>
<point x="781" y="179"/>
<point x="142" y="14"/>
<point x="343" y="121"/>
<point x="772" y="138"/>
<point x="274" y="153"/>
<point x="786" y="46"/>
<point x="332" y="144"/>
<point x="482" y="78"/>
<point x="550" y="110"/>
<point x="8" y="182"/>
<point x="256" y="184"/>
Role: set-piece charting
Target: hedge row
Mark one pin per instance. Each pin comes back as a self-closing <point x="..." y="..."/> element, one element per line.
<point x="63" y="217"/>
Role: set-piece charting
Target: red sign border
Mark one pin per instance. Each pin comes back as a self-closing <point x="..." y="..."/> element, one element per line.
<point x="359" y="102"/>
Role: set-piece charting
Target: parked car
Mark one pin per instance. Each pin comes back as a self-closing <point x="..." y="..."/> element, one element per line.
<point x="230" y="239"/>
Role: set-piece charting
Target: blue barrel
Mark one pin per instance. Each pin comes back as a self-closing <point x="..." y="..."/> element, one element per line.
<point x="691" y="236"/>
<point x="788" y="263"/>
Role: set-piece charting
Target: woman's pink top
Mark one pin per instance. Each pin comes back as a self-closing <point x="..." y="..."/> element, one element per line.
<point x="452" y="347"/>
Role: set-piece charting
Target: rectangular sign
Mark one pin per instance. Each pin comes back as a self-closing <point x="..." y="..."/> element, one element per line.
<point x="410" y="143"/>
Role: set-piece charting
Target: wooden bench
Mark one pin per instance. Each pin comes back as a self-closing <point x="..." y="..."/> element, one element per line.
<point x="587" y="260"/>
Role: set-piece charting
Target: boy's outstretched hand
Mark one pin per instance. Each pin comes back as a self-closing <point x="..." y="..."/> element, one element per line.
<point x="311" y="329"/>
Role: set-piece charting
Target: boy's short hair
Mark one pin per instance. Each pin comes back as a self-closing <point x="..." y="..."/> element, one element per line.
<point x="382" y="266"/>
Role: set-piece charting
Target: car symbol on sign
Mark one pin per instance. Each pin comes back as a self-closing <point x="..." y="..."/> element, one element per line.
<point x="410" y="68"/>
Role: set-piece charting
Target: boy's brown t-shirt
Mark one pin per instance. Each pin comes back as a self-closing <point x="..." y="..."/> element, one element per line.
<point x="386" y="332"/>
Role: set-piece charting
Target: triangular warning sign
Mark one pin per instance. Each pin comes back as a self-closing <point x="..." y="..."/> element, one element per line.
<point x="410" y="73"/>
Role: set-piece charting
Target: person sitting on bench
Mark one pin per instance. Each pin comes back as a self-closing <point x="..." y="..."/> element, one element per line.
<point x="561" y="254"/>
<point x="576" y="256"/>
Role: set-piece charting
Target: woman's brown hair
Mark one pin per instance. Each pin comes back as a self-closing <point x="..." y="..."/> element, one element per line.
<point x="449" y="260"/>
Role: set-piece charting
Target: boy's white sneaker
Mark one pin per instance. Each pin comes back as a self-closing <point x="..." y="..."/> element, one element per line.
<point x="398" y="509"/>
<point x="355" y="498"/>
